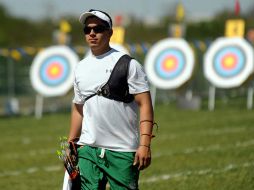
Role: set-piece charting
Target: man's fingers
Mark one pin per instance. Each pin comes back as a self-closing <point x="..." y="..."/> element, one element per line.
<point x="141" y="164"/>
<point x="135" y="160"/>
<point x="142" y="160"/>
<point x="146" y="163"/>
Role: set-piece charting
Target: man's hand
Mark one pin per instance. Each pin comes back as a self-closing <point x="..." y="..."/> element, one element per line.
<point x="142" y="157"/>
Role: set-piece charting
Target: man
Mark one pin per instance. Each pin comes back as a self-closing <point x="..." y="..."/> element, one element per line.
<point x="113" y="146"/>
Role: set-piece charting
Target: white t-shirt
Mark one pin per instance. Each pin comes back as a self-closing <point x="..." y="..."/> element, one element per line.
<point x="108" y="123"/>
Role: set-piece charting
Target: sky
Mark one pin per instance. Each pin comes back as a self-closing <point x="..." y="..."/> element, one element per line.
<point x="147" y="9"/>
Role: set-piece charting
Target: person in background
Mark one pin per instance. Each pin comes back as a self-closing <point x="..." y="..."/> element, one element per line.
<point x="114" y="133"/>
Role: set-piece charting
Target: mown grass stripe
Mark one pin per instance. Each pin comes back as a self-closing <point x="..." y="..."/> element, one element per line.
<point x="188" y="173"/>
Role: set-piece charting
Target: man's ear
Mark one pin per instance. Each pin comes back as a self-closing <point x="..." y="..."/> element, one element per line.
<point x="111" y="32"/>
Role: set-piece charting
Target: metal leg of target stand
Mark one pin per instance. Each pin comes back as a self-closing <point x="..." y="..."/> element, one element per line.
<point x="38" y="106"/>
<point x="153" y="95"/>
<point x="211" y="99"/>
<point x="250" y="98"/>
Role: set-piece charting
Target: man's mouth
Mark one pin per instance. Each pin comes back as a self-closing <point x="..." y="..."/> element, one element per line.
<point x="93" y="41"/>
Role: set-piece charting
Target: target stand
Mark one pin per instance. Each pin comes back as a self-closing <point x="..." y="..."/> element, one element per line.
<point x="169" y="64"/>
<point x="228" y="63"/>
<point x="51" y="73"/>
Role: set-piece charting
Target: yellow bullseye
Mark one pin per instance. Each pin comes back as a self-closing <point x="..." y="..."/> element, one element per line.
<point x="54" y="70"/>
<point x="169" y="64"/>
<point x="229" y="61"/>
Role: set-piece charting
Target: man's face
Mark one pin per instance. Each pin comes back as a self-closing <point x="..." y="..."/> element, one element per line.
<point x="97" y="34"/>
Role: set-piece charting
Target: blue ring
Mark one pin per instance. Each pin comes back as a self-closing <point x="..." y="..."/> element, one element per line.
<point x="158" y="67"/>
<point x="43" y="74"/>
<point x="241" y="57"/>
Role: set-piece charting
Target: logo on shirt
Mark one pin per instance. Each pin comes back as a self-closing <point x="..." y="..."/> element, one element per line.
<point x="108" y="70"/>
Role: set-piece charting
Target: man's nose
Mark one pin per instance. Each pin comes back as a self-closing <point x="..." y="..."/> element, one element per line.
<point x="92" y="32"/>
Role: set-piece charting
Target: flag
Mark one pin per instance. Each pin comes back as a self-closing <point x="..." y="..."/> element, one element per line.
<point x="179" y="12"/>
<point x="237" y="7"/>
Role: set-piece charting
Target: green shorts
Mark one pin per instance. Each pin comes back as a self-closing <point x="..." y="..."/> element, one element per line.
<point x="99" y="166"/>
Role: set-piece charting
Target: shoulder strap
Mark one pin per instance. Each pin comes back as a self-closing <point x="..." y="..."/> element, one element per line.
<point x="122" y="66"/>
<point x="117" y="86"/>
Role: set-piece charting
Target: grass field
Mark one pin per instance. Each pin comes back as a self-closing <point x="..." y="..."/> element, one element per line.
<point x="193" y="150"/>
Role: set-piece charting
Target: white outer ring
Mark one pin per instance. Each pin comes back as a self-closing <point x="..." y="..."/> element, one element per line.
<point x="63" y="88"/>
<point x="156" y="50"/>
<point x="212" y="75"/>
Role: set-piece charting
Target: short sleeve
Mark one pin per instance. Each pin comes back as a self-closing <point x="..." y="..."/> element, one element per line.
<point x="78" y="98"/>
<point x="137" y="79"/>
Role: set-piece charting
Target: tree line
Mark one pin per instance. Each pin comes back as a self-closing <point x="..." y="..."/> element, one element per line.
<point x="16" y="32"/>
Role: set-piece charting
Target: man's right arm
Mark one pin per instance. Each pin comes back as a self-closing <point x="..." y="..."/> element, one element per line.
<point x="76" y="121"/>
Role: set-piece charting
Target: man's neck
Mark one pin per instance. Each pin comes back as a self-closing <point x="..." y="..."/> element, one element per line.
<point x="100" y="51"/>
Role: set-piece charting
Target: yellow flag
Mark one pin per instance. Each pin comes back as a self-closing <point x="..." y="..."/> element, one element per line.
<point x="177" y="30"/>
<point x="235" y="28"/>
<point x="65" y="26"/>
<point x="179" y="12"/>
<point x="15" y="55"/>
<point x="118" y="35"/>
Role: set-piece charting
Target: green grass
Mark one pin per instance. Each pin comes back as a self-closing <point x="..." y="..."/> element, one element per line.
<point x="193" y="150"/>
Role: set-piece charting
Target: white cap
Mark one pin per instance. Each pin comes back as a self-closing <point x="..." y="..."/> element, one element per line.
<point x="99" y="14"/>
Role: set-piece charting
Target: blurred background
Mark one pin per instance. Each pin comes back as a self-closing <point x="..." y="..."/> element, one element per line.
<point x="205" y="139"/>
<point x="28" y="27"/>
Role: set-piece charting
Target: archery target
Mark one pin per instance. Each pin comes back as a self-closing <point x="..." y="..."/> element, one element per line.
<point x="51" y="73"/>
<point x="169" y="63"/>
<point x="228" y="62"/>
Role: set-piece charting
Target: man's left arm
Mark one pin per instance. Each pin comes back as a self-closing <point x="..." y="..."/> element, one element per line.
<point x="143" y="154"/>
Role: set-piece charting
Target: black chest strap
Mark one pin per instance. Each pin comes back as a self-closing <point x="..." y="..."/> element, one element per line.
<point x="117" y="87"/>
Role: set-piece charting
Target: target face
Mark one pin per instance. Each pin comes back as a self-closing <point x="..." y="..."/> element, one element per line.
<point x="169" y="63"/>
<point x="51" y="73"/>
<point x="228" y="62"/>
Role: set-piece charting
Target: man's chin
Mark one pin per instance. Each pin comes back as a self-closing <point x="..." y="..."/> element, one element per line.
<point x="93" y="45"/>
